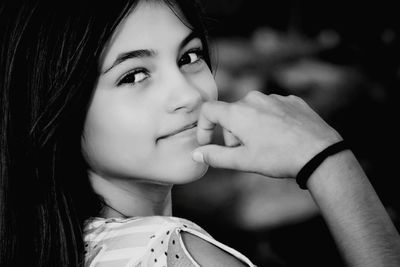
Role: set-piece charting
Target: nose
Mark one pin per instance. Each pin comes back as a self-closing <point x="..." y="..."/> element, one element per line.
<point x="183" y="93"/>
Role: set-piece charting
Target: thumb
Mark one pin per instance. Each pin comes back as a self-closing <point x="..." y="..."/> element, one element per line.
<point x="217" y="156"/>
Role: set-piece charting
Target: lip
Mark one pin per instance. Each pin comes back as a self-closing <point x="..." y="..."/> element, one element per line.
<point x="178" y="131"/>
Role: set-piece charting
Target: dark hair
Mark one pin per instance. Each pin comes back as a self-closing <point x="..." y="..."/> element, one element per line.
<point x="49" y="64"/>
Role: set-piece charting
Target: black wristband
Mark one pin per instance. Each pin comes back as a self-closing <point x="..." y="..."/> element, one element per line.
<point x="309" y="167"/>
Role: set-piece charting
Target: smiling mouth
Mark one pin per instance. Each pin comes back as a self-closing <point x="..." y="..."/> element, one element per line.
<point x="188" y="127"/>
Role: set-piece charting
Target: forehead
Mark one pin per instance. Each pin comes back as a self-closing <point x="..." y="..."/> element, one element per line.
<point x="150" y="25"/>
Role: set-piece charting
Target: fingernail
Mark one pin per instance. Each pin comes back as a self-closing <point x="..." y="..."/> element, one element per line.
<point x="198" y="157"/>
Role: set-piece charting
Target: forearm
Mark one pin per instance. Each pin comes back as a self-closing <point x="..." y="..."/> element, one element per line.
<point x="357" y="219"/>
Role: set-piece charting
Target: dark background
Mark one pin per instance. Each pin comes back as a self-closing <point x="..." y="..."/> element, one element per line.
<point x="344" y="60"/>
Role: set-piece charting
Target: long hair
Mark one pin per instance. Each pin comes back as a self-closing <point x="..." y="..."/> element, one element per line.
<point x="49" y="65"/>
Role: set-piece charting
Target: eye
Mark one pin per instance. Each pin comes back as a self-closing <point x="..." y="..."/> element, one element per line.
<point x="134" y="77"/>
<point x="191" y="57"/>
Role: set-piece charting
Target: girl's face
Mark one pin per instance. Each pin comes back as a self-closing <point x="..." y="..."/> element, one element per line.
<point x="141" y="123"/>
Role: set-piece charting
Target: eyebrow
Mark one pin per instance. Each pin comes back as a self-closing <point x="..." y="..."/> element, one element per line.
<point x="147" y="52"/>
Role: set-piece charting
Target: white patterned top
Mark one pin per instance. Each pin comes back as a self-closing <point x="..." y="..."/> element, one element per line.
<point x="143" y="241"/>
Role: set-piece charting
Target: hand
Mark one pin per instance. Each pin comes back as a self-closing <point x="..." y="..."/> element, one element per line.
<point x="271" y="135"/>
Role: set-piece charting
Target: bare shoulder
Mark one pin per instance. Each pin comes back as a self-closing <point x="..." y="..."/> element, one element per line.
<point x="207" y="254"/>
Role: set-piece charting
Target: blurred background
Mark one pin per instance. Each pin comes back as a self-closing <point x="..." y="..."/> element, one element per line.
<point x="343" y="59"/>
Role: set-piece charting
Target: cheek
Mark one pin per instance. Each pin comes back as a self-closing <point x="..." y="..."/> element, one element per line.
<point x="117" y="139"/>
<point x="206" y="83"/>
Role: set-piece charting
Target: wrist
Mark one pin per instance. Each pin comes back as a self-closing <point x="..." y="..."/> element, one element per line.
<point x="335" y="172"/>
<point x="308" y="169"/>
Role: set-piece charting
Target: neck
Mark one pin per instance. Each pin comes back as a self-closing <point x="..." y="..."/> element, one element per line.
<point x="132" y="197"/>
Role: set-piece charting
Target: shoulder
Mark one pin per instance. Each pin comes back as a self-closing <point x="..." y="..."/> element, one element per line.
<point x="207" y="254"/>
<point x="190" y="245"/>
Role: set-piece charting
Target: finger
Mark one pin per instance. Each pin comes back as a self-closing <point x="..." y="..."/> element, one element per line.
<point x="218" y="156"/>
<point x="211" y="114"/>
<point x="230" y="139"/>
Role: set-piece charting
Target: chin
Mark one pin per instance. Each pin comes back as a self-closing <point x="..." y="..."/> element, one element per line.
<point x="172" y="170"/>
<point x="184" y="172"/>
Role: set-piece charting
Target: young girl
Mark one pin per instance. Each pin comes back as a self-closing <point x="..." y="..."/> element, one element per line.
<point x="105" y="106"/>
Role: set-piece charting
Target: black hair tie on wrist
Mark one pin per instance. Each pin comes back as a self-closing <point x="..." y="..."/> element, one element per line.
<point x="312" y="165"/>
